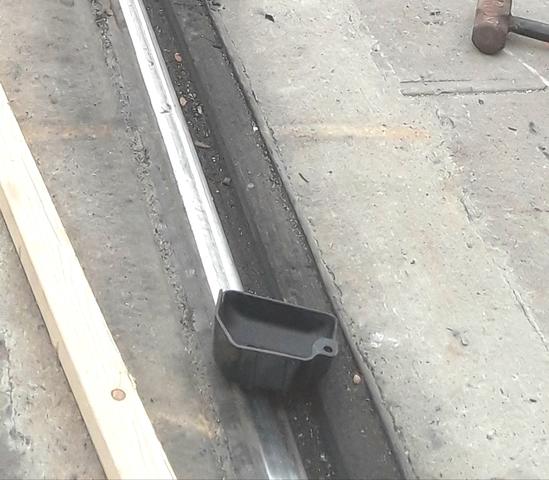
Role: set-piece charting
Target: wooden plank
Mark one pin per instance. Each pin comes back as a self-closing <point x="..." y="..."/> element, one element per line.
<point x="104" y="390"/>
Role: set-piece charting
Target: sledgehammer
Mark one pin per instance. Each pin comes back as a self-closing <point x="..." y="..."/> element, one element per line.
<point x="493" y="21"/>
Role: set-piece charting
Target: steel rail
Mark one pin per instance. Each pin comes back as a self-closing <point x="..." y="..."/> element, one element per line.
<point x="279" y="456"/>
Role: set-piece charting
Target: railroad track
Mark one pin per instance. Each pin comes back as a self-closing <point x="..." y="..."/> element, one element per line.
<point x="248" y="238"/>
<point x="337" y="427"/>
<point x="278" y="455"/>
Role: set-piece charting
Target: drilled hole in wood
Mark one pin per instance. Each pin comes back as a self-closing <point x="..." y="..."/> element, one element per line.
<point x="118" y="394"/>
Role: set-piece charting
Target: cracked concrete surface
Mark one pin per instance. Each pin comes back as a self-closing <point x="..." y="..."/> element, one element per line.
<point x="419" y="169"/>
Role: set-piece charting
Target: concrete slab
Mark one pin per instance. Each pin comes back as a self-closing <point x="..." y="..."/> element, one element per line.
<point x="69" y="73"/>
<point x="419" y="170"/>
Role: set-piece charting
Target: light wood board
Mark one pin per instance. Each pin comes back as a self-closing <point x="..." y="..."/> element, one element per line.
<point x="104" y="390"/>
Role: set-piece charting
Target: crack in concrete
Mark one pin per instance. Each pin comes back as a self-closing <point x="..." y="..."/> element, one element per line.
<point x="467" y="211"/>
<point x="516" y="294"/>
<point x="473" y="215"/>
<point x="526" y="311"/>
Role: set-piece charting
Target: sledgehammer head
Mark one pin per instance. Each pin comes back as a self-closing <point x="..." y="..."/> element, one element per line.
<point x="491" y="27"/>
